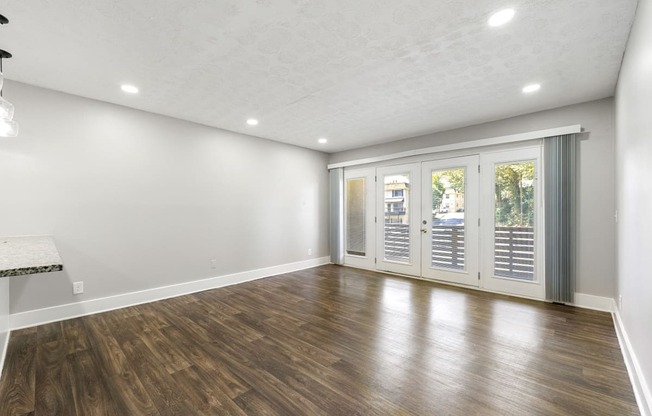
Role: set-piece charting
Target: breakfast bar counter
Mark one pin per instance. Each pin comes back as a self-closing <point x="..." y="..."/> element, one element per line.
<point x="28" y="255"/>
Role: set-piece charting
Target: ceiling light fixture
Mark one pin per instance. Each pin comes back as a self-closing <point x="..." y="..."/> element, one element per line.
<point x="323" y="140"/>
<point x="531" y="88"/>
<point x="252" y="122"/>
<point x="129" y="89"/>
<point x="501" y="17"/>
<point x="8" y="127"/>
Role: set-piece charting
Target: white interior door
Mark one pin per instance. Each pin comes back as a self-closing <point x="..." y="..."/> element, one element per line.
<point x="398" y="215"/>
<point x="512" y="212"/>
<point x="359" y="213"/>
<point x="449" y="220"/>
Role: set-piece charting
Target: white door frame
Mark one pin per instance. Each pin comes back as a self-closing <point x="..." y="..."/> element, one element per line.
<point x="412" y="265"/>
<point x="530" y="289"/>
<point x="366" y="261"/>
<point x="416" y="266"/>
<point x="469" y="275"/>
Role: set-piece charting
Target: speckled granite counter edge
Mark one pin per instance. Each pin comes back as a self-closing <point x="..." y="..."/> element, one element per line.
<point x="28" y="255"/>
<point x="31" y="270"/>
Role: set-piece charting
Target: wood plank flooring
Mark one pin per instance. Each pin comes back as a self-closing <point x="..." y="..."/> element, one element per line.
<point x="324" y="341"/>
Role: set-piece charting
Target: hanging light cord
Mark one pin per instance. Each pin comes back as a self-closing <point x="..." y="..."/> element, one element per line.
<point x="3" y="54"/>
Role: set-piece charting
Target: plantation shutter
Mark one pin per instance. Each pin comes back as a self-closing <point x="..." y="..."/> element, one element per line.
<point x="559" y="161"/>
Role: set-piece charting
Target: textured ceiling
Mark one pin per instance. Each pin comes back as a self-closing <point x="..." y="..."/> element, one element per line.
<point x="358" y="72"/>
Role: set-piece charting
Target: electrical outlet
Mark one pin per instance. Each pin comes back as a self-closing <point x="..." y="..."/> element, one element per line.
<point x="77" y="288"/>
<point x="310" y="252"/>
<point x="213" y="264"/>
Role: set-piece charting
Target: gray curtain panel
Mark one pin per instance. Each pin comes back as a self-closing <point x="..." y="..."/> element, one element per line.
<point x="337" y="215"/>
<point x="559" y="161"/>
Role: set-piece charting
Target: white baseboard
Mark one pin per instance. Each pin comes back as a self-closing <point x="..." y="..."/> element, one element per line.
<point x="636" y="376"/>
<point x="4" y="343"/>
<point x="4" y="320"/>
<point x="598" y="303"/>
<point x="74" y="310"/>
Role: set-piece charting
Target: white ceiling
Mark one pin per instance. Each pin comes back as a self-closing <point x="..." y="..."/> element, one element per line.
<point x="358" y="72"/>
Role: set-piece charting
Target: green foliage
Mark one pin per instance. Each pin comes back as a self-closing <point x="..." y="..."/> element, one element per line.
<point x="455" y="178"/>
<point x="444" y="179"/>
<point x="438" y="190"/>
<point x="515" y="194"/>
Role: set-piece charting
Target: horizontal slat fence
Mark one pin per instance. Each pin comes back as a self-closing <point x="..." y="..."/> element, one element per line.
<point x="397" y="242"/>
<point x="448" y="246"/>
<point x="514" y="248"/>
<point x="514" y="252"/>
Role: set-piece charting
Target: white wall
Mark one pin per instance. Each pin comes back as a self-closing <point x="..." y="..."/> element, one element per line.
<point x="595" y="199"/>
<point x="136" y="200"/>
<point x="634" y="191"/>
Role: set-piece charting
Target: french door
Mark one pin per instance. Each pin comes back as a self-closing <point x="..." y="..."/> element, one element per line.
<point x="472" y="220"/>
<point x="398" y="215"/>
<point x="428" y="225"/>
<point x="449" y="224"/>
<point x="512" y="212"/>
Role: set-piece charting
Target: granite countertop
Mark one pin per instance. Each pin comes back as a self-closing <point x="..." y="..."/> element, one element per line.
<point x="28" y="255"/>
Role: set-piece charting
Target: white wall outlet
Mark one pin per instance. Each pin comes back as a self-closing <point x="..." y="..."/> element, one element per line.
<point x="77" y="288"/>
<point x="213" y="264"/>
<point x="310" y="252"/>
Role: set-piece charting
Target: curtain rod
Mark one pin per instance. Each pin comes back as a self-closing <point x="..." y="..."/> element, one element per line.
<point x="519" y="137"/>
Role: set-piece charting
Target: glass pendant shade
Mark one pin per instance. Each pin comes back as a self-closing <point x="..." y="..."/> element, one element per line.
<point x="8" y="128"/>
<point x="6" y="109"/>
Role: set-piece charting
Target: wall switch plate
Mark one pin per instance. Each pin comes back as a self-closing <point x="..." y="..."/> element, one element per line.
<point x="310" y="252"/>
<point x="77" y="288"/>
<point x="213" y="264"/>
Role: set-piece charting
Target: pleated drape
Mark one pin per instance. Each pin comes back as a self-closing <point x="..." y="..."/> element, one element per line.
<point x="559" y="161"/>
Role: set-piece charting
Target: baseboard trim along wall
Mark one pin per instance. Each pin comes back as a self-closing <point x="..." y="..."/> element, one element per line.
<point x="5" y="344"/>
<point x="74" y="310"/>
<point x="4" y="320"/>
<point x="641" y="388"/>
<point x="598" y="303"/>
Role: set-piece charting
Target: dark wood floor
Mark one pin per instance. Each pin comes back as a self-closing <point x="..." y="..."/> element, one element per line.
<point x="325" y="341"/>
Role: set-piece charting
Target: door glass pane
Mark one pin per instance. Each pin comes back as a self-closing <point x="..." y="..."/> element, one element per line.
<point x="514" y="210"/>
<point x="355" y="217"/>
<point x="448" y="218"/>
<point x="397" y="221"/>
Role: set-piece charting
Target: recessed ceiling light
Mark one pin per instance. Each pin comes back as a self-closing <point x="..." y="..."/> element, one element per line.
<point x="323" y="140"/>
<point x="129" y="89"/>
<point x="501" y="17"/>
<point x="252" y="122"/>
<point x="531" y="88"/>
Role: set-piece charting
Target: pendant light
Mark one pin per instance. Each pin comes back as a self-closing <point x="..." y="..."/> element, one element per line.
<point x="8" y="127"/>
